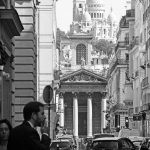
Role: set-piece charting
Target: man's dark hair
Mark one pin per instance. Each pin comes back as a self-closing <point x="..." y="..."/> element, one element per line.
<point x="31" y="107"/>
<point x="6" y="122"/>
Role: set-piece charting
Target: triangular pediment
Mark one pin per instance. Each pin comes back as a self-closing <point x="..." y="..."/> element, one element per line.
<point x="83" y="75"/>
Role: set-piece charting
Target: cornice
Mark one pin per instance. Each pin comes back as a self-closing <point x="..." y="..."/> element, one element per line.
<point x="83" y="88"/>
<point x="2" y="2"/>
<point x="11" y="22"/>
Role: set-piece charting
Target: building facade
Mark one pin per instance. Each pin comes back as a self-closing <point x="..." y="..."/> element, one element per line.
<point x="25" y="58"/>
<point x="136" y="86"/>
<point x="120" y="98"/>
<point x="47" y="56"/>
<point x="80" y="99"/>
<point x="90" y="16"/>
<point x="10" y="26"/>
<point x="141" y="66"/>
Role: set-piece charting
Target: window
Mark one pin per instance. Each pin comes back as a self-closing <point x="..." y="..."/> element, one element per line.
<point x="104" y="144"/>
<point x="130" y="144"/>
<point x="104" y="31"/>
<point x="80" y="5"/>
<point x="97" y="15"/>
<point x="80" y="53"/>
<point x="124" y="144"/>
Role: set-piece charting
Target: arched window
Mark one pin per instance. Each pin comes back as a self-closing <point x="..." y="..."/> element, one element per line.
<point x="80" y="54"/>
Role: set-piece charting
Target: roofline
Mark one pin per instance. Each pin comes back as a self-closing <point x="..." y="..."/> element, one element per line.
<point x="80" y="70"/>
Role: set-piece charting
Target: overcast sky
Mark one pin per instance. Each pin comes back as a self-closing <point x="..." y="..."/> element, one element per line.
<point x="64" y="9"/>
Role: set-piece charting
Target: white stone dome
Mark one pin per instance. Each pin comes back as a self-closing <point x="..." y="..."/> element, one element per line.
<point x="86" y="17"/>
<point x="111" y="19"/>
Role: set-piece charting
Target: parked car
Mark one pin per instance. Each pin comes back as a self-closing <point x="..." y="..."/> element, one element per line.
<point x="112" y="143"/>
<point x="68" y="137"/>
<point x="137" y="140"/>
<point x="61" y="144"/>
<point x="145" y="144"/>
<point x="99" y="135"/>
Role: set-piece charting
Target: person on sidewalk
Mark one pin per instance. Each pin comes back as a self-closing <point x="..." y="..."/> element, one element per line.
<point x="5" y="129"/>
<point x="25" y="136"/>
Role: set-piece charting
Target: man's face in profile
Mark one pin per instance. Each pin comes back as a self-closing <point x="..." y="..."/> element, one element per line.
<point x="40" y="117"/>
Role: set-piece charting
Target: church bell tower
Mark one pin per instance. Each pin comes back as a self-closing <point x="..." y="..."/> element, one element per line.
<point x="78" y="10"/>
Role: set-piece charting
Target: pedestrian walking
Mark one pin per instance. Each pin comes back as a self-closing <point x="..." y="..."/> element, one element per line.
<point x="25" y="136"/>
<point x="5" y="128"/>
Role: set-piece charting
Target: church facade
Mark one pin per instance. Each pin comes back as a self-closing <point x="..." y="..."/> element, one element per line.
<point x="81" y="97"/>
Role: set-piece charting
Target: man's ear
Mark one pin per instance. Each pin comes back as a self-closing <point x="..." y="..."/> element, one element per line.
<point x="33" y="116"/>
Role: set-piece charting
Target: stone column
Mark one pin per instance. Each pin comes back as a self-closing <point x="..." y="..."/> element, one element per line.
<point x="103" y="113"/>
<point x="61" y="100"/>
<point x="75" y="116"/>
<point x="89" y="116"/>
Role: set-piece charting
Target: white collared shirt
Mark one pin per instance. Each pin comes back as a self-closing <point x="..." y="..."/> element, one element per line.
<point x="31" y="124"/>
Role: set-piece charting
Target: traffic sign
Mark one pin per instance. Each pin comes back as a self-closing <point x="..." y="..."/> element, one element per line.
<point x="48" y="94"/>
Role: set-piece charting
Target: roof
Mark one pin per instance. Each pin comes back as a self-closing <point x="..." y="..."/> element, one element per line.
<point x="136" y="138"/>
<point x="96" y="1"/>
<point x="60" y="140"/>
<point x="82" y="72"/>
<point x="86" y="17"/>
<point x="107" y="138"/>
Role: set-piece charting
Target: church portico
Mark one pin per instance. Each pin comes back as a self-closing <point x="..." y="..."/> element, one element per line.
<point x="81" y="103"/>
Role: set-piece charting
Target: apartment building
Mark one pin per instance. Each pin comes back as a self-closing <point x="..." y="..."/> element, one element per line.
<point x="10" y="26"/>
<point x="136" y="82"/>
<point x="141" y="84"/>
<point x="47" y="56"/>
<point x="120" y="99"/>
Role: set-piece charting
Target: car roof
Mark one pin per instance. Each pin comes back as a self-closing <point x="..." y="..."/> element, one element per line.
<point x="107" y="138"/>
<point x="102" y="134"/>
<point x="136" y="138"/>
<point x="65" y="136"/>
<point x="60" y="140"/>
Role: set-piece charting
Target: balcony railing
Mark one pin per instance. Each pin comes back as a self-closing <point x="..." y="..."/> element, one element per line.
<point x="145" y="82"/>
<point x="121" y="44"/>
<point x="118" y="62"/>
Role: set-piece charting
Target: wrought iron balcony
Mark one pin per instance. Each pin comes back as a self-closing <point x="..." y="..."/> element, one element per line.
<point x="117" y="63"/>
<point x="145" y="82"/>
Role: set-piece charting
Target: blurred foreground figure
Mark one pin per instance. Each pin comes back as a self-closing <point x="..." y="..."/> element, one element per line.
<point x="25" y="136"/>
<point x="5" y="128"/>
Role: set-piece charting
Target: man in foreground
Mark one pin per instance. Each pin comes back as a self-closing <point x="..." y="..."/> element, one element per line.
<point x="25" y="136"/>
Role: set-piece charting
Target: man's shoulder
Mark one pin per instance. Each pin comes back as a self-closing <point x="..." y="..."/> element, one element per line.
<point x="24" y="126"/>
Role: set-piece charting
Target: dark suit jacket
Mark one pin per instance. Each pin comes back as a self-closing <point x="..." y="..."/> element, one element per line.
<point x="24" y="137"/>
